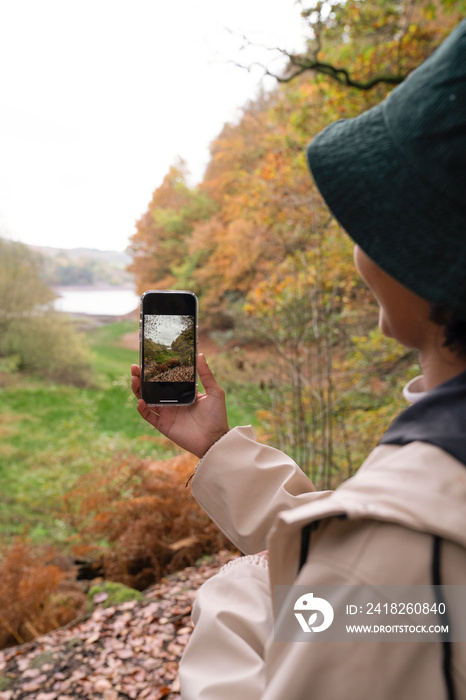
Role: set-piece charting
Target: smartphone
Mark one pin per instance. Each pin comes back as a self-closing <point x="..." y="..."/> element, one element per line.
<point x="168" y="347"/>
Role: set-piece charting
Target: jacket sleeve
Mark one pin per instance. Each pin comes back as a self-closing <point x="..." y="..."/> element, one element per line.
<point x="242" y="485"/>
<point x="233" y="619"/>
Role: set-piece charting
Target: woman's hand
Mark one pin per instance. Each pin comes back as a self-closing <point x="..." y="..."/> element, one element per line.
<point x="194" y="428"/>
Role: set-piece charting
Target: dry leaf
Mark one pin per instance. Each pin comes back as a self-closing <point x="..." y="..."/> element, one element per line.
<point x="138" y="654"/>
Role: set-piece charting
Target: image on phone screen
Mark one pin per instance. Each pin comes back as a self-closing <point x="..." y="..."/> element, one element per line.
<point x="169" y="348"/>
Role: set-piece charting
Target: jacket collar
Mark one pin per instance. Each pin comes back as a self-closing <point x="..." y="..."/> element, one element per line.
<point x="439" y="418"/>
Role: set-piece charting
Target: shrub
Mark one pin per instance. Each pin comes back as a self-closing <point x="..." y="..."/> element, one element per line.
<point x="134" y="521"/>
<point x="37" y="595"/>
<point x="174" y="362"/>
<point x="48" y="345"/>
<point x="138" y="520"/>
<point x="42" y="340"/>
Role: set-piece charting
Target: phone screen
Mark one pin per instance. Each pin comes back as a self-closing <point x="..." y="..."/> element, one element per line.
<point x="168" y="347"/>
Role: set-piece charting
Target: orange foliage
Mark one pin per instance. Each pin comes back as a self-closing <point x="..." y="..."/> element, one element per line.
<point x="160" y="242"/>
<point x="134" y="522"/>
<point x="257" y="203"/>
<point x="147" y="515"/>
<point x="36" y="595"/>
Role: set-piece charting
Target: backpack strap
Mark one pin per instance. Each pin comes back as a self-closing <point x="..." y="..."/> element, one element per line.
<point x="446" y="645"/>
<point x="305" y="540"/>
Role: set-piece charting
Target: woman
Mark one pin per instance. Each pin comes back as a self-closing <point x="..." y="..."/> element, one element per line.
<point x="395" y="178"/>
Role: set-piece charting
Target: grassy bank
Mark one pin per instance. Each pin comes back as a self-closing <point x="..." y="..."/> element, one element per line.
<point x="51" y="434"/>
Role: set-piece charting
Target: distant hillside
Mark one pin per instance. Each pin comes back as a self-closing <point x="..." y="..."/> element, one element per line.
<point x="84" y="267"/>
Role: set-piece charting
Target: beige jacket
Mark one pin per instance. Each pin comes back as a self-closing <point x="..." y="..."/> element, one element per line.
<point x="397" y="501"/>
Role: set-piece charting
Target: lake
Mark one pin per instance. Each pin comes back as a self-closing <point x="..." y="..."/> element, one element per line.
<point x="96" y="302"/>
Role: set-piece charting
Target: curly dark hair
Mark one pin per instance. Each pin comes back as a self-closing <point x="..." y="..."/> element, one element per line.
<point x="454" y="328"/>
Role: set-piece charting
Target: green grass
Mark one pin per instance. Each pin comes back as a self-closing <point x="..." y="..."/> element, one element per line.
<point x="50" y="434"/>
<point x="111" y="359"/>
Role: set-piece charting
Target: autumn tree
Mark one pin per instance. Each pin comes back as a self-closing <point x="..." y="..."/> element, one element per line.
<point x="256" y="203"/>
<point x="160" y="243"/>
<point x="267" y="206"/>
<point x="21" y="286"/>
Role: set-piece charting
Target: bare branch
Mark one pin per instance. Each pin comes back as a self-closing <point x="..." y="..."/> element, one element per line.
<point x="299" y="64"/>
<point x="341" y="75"/>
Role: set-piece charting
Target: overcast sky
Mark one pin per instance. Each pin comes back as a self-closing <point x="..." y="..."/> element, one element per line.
<point x="165" y="329"/>
<point x="99" y="97"/>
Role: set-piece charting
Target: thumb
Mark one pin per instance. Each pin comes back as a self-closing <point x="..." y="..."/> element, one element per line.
<point x="205" y="375"/>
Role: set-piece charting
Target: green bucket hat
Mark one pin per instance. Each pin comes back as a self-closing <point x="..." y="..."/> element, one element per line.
<point x="395" y="177"/>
